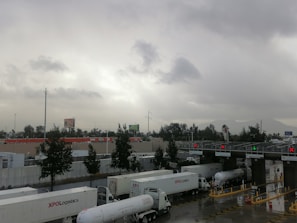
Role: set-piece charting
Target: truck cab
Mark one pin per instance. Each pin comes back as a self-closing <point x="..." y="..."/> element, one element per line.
<point x="104" y="196"/>
<point x="203" y="184"/>
<point x="161" y="203"/>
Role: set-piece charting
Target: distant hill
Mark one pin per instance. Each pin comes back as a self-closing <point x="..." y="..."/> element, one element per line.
<point x="236" y="127"/>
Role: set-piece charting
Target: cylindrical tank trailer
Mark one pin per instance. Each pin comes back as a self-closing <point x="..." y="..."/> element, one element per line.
<point x="222" y="177"/>
<point x="112" y="211"/>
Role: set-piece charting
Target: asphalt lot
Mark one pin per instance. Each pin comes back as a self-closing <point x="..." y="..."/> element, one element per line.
<point x="231" y="209"/>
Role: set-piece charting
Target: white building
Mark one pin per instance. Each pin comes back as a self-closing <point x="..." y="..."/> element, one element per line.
<point x="11" y="160"/>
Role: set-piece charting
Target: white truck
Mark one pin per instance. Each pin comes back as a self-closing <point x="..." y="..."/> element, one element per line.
<point x="143" y="208"/>
<point x="104" y="196"/>
<point x="205" y="173"/>
<point x="171" y="184"/>
<point x="61" y="205"/>
<point x="17" y="192"/>
<point x="119" y="185"/>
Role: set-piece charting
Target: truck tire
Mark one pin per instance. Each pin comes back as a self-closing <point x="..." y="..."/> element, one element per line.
<point x="154" y="217"/>
<point x="145" y="219"/>
<point x="67" y="220"/>
<point x="167" y="209"/>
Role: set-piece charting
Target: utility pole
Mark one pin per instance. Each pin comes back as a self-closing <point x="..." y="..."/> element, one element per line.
<point x="107" y="142"/>
<point x="148" y="121"/>
<point x="44" y="133"/>
<point x="14" y="125"/>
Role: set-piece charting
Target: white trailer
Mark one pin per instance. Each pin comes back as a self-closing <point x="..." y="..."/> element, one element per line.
<point x="170" y="183"/>
<point x="119" y="185"/>
<point x="205" y="172"/>
<point x="50" y="206"/>
<point x="17" y="192"/>
<point x="142" y="208"/>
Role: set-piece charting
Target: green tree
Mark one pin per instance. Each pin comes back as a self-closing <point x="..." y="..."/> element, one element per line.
<point x="58" y="157"/>
<point x="28" y="131"/>
<point x="79" y="133"/>
<point x="39" y="132"/>
<point x="209" y="133"/>
<point x="256" y="135"/>
<point x="91" y="162"/>
<point x="135" y="164"/>
<point x="253" y="135"/>
<point x="122" y="150"/>
<point x="172" y="151"/>
<point x="159" y="160"/>
<point x="3" y="134"/>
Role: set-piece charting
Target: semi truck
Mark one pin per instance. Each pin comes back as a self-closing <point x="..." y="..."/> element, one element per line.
<point x="104" y="196"/>
<point x="232" y="177"/>
<point x="205" y="173"/>
<point x="171" y="184"/>
<point x="17" y="192"/>
<point x="119" y="185"/>
<point x="63" y="205"/>
<point x="142" y="208"/>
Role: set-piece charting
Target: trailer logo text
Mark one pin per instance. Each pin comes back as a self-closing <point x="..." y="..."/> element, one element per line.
<point x="181" y="181"/>
<point x="60" y="203"/>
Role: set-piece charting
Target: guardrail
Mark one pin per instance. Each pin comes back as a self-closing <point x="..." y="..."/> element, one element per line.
<point x="223" y="192"/>
<point x="267" y="196"/>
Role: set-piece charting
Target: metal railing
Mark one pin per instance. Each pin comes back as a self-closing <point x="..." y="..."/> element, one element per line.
<point x="245" y="147"/>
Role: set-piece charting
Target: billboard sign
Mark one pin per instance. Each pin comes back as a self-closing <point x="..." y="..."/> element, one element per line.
<point x="69" y="123"/>
<point x="134" y="128"/>
<point x="288" y="133"/>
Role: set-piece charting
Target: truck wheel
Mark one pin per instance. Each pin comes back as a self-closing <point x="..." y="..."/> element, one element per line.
<point x="145" y="220"/>
<point x="154" y="217"/>
<point x="167" y="209"/>
<point x="67" y="220"/>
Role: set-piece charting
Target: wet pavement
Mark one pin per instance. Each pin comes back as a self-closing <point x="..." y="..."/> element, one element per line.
<point x="231" y="209"/>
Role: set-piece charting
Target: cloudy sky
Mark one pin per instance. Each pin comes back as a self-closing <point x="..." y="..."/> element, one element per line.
<point x="147" y="62"/>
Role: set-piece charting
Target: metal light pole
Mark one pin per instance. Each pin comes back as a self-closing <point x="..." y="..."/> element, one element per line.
<point x="14" y="124"/>
<point x="106" y="142"/>
<point x="44" y="133"/>
<point x="148" y="121"/>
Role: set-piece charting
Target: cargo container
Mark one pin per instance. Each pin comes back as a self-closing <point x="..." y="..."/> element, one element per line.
<point x="17" y="192"/>
<point x="205" y="173"/>
<point x="119" y="185"/>
<point x="61" y="205"/>
<point x="171" y="183"/>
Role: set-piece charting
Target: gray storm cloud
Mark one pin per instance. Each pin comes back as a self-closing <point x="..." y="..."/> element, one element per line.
<point x="243" y="18"/>
<point x="71" y="93"/>
<point x="147" y="52"/>
<point x="182" y="71"/>
<point x="47" y="64"/>
<point x="185" y="61"/>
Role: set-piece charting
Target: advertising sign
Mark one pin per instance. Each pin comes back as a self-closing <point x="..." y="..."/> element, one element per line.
<point x="69" y="123"/>
<point x="288" y="133"/>
<point x="134" y="128"/>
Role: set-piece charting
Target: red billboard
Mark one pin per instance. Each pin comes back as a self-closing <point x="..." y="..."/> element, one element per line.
<point x="69" y="123"/>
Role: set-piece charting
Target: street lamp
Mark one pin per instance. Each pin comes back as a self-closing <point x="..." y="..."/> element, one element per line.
<point x="106" y="142"/>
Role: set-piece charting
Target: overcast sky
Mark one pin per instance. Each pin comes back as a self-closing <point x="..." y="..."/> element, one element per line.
<point x="112" y="61"/>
